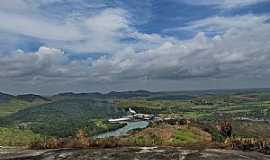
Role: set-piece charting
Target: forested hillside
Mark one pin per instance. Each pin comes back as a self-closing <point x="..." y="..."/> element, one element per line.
<point x="10" y="104"/>
<point x="64" y="118"/>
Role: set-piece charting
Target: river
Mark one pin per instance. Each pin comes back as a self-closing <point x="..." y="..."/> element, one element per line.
<point x="123" y="131"/>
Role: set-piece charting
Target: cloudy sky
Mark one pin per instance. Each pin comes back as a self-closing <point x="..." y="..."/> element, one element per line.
<point x="51" y="46"/>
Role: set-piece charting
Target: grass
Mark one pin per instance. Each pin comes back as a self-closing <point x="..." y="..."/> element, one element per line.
<point x="17" y="137"/>
<point x="170" y="135"/>
<point x="100" y="123"/>
<point x="195" y="114"/>
<point x="185" y="136"/>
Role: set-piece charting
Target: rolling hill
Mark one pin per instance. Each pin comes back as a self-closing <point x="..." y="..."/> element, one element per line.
<point x="32" y="98"/>
<point x="64" y="118"/>
<point x="11" y="104"/>
<point x="5" y="97"/>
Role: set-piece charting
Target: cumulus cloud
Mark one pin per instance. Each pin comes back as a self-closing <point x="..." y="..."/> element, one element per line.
<point x="103" y="32"/>
<point x="239" y="48"/>
<point x="79" y="33"/>
<point x="42" y="62"/>
<point x="240" y="51"/>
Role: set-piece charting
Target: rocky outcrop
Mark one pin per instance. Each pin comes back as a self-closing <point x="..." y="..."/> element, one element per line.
<point x="135" y="153"/>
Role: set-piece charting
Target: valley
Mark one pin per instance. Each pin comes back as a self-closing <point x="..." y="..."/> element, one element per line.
<point x="194" y="120"/>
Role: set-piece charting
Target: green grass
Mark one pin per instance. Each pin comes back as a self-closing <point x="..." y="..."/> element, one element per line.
<point x="17" y="137"/>
<point x="195" y="114"/>
<point x="170" y="135"/>
<point x="183" y="136"/>
<point x="104" y="125"/>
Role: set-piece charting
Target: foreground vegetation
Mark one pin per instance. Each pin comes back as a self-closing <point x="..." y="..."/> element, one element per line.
<point x="17" y="137"/>
<point x="170" y="135"/>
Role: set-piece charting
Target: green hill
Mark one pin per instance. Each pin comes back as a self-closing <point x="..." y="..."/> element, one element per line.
<point x="11" y="104"/>
<point x="66" y="117"/>
<point x="32" y="98"/>
<point x="5" y="97"/>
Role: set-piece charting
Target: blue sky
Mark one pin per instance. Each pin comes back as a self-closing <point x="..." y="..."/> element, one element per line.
<point x="49" y="46"/>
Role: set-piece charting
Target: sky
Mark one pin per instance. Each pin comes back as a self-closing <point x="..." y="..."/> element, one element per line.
<point x="53" y="46"/>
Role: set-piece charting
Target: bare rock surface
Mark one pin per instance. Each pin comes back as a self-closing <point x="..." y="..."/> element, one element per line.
<point x="130" y="153"/>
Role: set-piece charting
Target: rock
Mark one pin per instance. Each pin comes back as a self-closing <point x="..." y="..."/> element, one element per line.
<point x="135" y="153"/>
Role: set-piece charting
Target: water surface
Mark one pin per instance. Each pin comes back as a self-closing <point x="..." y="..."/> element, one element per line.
<point x="123" y="131"/>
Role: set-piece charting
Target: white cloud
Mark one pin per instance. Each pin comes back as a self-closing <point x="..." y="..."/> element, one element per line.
<point x="13" y="5"/>
<point x="108" y="21"/>
<point x="104" y="31"/>
<point x="241" y="49"/>
<point x="221" y="24"/>
<point x="38" y="28"/>
<point x="239" y="52"/>
<point x="83" y="34"/>
<point x="20" y="64"/>
<point x="226" y="4"/>
<point x="240" y="3"/>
